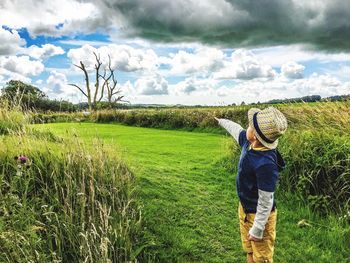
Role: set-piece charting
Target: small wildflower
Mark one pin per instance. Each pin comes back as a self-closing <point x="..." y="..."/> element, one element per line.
<point x="22" y="159"/>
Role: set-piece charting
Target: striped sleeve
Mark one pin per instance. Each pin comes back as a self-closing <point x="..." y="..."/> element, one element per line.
<point x="265" y="203"/>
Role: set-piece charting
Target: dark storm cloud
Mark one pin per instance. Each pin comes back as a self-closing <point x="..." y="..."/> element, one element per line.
<point x="324" y="24"/>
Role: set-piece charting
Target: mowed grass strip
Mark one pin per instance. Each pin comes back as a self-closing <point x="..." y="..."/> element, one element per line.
<point x="186" y="184"/>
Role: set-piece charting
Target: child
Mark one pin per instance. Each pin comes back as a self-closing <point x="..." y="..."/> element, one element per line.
<point x="258" y="170"/>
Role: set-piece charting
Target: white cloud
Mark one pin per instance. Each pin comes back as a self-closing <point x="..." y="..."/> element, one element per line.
<point x="80" y="43"/>
<point x="56" y="81"/>
<point x="84" y="54"/>
<point x="193" y="85"/>
<point x="127" y="89"/>
<point x="43" y="52"/>
<point x="10" y="42"/>
<point x="203" y="60"/>
<point x="342" y="72"/>
<point x="155" y="85"/>
<point x="279" y="55"/>
<point x="20" y="65"/>
<point x="57" y="87"/>
<point x="324" y="85"/>
<point x="8" y="75"/>
<point x="187" y="86"/>
<point x="126" y="58"/>
<point x="116" y="37"/>
<point x="223" y="91"/>
<point x="245" y="65"/>
<point x="292" y="70"/>
<point x="123" y="57"/>
<point x="74" y="16"/>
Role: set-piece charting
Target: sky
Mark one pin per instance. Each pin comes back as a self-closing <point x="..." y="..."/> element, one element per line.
<point x="208" y="52"/>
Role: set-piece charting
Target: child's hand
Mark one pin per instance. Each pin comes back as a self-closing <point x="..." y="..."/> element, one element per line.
<point x="216" y="118"/>
<point x="251" y="238"/>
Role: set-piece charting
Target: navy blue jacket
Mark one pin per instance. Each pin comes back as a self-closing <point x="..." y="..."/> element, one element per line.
<point x="256" y="170"/>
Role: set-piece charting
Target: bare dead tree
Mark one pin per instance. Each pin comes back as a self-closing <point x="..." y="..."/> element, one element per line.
<point x="110" y="82"/>
<point x="92" y="96"/>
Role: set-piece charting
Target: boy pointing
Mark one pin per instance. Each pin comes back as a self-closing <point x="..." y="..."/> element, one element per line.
<point x="258" y="169"/>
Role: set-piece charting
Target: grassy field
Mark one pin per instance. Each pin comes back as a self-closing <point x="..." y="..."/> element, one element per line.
<point x="185" y="184"/>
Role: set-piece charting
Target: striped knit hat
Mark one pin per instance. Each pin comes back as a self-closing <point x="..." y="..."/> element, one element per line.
<point x="268" y="124"/>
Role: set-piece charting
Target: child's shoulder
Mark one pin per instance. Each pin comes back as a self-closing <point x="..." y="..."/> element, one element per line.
<point x="271" y="160"/>
<point x="267" y="158"/>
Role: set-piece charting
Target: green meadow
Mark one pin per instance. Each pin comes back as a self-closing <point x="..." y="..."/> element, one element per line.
<point x="185" y="189"/>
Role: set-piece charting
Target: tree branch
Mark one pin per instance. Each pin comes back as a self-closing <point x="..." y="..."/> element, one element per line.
<point x="74" y="85"/>
<point x="78" y="66"/>
<point x="116" y="92"/>
<point x="118" y="99"/>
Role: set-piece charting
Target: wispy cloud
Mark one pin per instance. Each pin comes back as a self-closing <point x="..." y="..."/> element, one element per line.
<point x="84" y="42"/>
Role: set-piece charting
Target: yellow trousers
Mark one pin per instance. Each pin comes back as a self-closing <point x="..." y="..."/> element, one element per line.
<point x="262" y="250"/>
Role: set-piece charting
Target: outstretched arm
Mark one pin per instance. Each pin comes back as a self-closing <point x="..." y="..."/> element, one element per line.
<point x="231" y="127"/>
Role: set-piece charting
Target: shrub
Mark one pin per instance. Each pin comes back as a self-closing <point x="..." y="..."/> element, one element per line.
<point x="12" y="120"/>
<point x="318" y="168"/>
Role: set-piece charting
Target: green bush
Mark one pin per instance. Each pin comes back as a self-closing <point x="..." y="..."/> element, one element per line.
<point x="189" y="119"/>
<point x="318" y="168"/>
<point x="58" y="117"/>
<point x="12" y="120"/>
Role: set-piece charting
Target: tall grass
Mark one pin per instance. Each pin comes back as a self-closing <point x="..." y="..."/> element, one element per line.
<point x="67" y="203"/>
<point x="317" y="150"/>
<point x="318" y="168"/>
<point x="12" y="118"/>
<point x="319" y="116"/>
